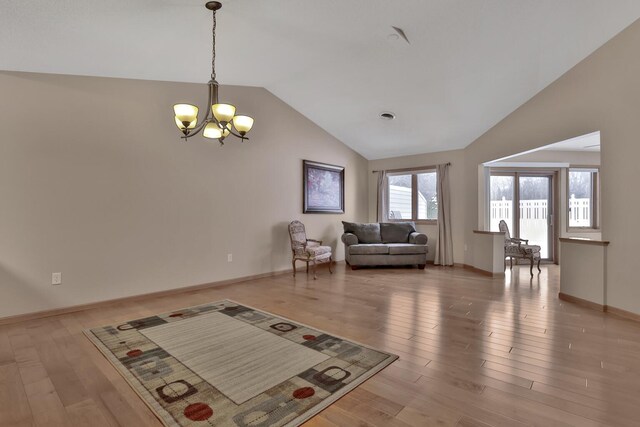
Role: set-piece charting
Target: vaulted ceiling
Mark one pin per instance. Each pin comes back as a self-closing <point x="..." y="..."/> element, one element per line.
<point x="469" y="63"/>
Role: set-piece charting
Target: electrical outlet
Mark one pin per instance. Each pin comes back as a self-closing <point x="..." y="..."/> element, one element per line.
<point x="56" y="278"/>
<point x="229" y="257"/>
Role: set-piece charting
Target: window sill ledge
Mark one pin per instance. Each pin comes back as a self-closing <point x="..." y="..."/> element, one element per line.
<point x="584" y="230"/>
<point x="416" y="221"/>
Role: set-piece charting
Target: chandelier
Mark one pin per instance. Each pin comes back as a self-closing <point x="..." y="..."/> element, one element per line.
<point x="221" y="119"/>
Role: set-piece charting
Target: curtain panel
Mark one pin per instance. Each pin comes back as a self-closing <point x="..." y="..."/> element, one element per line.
<point x="444" y="244"/>
<point x="382" y="207"/>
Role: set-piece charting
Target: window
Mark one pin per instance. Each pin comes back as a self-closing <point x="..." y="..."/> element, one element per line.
<point x="583" y="198"/>
<point x="413" y="196"/>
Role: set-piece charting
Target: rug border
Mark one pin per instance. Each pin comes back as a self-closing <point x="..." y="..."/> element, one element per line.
<point x="143" y="394"/>
<point x="157" y="409"/>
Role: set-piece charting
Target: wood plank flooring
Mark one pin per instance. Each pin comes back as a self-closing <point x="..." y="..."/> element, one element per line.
<point x="474" y="351"/>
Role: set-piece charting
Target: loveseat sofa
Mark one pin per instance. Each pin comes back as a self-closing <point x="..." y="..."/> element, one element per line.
<point x="387" y="243"/>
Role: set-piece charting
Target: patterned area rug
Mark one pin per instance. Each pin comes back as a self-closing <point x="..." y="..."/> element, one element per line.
<point x="226" y="364"/>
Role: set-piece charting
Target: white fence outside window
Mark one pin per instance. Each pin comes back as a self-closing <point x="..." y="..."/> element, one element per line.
<point x="533" y="213"/>
<point x="580" y="212"/>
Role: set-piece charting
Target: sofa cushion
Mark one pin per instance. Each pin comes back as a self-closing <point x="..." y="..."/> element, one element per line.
<point x="366" y="233"/>
<point x="406" y="249"/>
<point x="396" y="232"/>
<point x="369" y="249"/>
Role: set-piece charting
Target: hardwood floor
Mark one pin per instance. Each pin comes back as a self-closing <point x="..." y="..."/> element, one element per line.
<point x="474" y="351"/>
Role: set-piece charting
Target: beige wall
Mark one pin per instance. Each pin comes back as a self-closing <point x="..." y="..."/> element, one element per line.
<point x="489" y="250"/>
<point x="456" y="157"/>
<point x="95" y="183"/>
<point x="584" y="270"/>
<point x="601" y="93"/>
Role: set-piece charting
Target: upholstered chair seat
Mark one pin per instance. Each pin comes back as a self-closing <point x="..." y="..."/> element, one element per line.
<point x="316" y="251"/>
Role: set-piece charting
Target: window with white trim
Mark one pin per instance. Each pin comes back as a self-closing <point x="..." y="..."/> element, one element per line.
<point x="412" y="196"/>
<point x="582" y="203"/>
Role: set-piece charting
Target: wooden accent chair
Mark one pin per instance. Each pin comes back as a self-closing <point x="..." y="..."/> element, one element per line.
<point x="514" y="248"/>
<point x="307" y="250"/>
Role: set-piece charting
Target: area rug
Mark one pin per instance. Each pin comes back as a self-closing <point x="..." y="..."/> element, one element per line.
<point x="227" y="364"/>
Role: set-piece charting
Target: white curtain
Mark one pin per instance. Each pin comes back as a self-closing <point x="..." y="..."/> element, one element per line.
<point x="444" y="245"/>
<point x="382" y="196"/>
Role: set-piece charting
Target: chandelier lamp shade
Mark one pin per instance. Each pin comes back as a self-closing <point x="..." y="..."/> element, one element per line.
<point x="220" y="119"/>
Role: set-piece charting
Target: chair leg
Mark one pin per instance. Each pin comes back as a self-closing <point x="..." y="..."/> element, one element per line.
<point x="314" y="270"/>
<point x="531" y="268"/>
<point x="511" y="262"/>
<point x="330" y="262"/>
<point x="539" y="265"/>
<point x="307" y="267"/>
<point x="293" y="263"/>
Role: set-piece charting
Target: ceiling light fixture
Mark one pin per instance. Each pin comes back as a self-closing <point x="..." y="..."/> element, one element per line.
<point x="221" y="119"/>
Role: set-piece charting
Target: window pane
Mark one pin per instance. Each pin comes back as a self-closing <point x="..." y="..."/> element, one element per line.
<point x="427" y="196"/>
<point x="580" y="198"/>
<point x="502" y="194"/>
<point x="399" y="196"/>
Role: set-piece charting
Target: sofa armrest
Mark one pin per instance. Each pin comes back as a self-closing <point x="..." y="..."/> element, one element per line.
<point x="418" y="238"/>
<point x="349" y="239"/>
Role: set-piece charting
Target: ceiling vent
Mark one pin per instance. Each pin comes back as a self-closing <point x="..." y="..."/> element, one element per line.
<point x="387" y="115"/>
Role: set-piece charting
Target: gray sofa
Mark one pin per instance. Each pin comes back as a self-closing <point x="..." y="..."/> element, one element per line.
<point x="387" y="243"/>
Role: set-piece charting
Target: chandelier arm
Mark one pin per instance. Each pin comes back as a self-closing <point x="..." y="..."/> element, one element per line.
<point x="208" y="116"/>
<point x="237" y="135"/>
<point x="197" y="129"/>
<point x="213" y="93"/>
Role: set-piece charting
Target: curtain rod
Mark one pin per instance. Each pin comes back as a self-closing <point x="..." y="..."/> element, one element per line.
<point x="412" y="169"/>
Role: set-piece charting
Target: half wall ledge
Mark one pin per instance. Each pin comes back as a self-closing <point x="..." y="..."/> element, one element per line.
<point x="488" y="250"/>
<point x="583" y="272"/>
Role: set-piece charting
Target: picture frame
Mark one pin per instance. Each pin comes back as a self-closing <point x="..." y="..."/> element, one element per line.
<point x="322" y="188"/>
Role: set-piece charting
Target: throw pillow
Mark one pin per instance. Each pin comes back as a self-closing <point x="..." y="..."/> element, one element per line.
<point x="366" y="233"/>
<point x="396" y="232"/>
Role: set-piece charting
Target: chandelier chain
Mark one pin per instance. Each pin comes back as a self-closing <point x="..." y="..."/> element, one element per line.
<point x="213" y="49"/>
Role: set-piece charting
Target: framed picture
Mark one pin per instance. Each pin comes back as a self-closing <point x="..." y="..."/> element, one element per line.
<point x="323" y="188"/>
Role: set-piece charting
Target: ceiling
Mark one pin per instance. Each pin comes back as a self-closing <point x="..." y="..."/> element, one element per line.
<point x="468" y="65"/>
<point x="589" y="142"/>
<point x="558" y="154"/>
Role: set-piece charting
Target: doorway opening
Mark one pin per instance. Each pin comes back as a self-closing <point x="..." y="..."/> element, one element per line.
<point x="544" y="194"/>
<point x="525" y="201"/>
